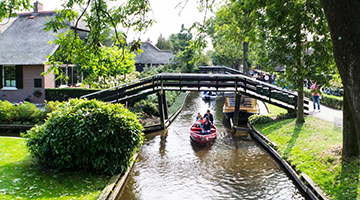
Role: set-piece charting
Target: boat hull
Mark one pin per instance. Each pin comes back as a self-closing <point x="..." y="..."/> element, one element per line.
<point x="202" y="139"/>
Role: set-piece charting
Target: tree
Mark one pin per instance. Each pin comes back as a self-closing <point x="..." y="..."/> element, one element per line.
<point x="163" y="43"/>
<point x="9" y="7"/>
<point x="344" y="24"/>
<point x="100" y="19"/>
<point x="234" y="21"/>
<point x="180" y="40"/>
<point x="295" y="35"/>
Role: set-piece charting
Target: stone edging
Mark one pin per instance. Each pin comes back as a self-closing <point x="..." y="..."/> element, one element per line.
<point x="304" y="181"/>
<point x="114" y="187"/>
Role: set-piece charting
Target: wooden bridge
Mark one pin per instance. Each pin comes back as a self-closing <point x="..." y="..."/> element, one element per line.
<point x="228" y="80"/>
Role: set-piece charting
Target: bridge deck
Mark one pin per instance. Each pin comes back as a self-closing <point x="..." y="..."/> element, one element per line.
<point x="203" y="82"/>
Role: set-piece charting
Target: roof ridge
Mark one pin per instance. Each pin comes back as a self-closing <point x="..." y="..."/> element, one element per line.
<point x="156" y="48"/>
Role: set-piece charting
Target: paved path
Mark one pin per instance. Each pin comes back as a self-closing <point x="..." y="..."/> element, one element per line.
<point x="328" y="114"/>
<point x="262" y="108"/>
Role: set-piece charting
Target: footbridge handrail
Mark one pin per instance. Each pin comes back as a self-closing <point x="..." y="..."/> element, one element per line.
<point x="199" y="82"/>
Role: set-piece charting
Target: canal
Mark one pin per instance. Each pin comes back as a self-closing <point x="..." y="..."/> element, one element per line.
<point x="171" y="167"/>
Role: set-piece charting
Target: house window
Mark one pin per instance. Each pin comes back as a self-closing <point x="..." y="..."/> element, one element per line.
<point x="9" y="76"/>
<point x="75" y="78"/>
<point x="37" y="82"/>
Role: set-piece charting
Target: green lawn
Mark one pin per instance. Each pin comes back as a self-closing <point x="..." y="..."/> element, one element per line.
<point x="274" y="110"/>
<point x="176" y="105"/>
<point x="315" y="148"/>
<point x="21" y="178"/>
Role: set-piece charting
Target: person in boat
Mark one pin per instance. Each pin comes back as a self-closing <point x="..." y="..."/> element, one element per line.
<point x="211" y="117"/>
<point x="207" y="126"/>
<point x="198" y="117"/>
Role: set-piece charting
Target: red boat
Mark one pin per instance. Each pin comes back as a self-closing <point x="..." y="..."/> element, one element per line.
<point x="195" y="135"/>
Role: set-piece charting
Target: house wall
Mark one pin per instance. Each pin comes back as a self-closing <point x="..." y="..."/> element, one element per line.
<point x="49" y="81"/>
<point x="29" y="73"/>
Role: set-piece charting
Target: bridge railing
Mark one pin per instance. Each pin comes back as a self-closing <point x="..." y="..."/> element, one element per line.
<point x="200" y="82"/>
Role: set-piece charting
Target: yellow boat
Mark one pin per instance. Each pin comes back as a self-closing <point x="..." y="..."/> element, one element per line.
<point x="248" y="107"/>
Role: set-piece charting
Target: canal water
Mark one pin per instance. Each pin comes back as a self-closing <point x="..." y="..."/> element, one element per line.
<point x="233" y="167"/>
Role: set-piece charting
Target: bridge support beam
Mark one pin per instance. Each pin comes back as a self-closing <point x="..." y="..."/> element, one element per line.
<point x="163" y="111"/>
<point x="237" y="108"/>
<point x="166" y="114"/>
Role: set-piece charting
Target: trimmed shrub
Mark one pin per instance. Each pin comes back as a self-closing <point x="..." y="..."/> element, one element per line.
<point x="148" y="107"/>
<point x="329" y="100"/>
<point x="64" y="94"/>
<point x="50" y="106"/>
<point x="260" y="119"/>
<point x="87" y="134"/>
<point x="20" y="113"/>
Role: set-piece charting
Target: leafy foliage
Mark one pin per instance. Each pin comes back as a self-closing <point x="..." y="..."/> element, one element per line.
<point x="259" y="119"/>
<point x="147" y="107"/>
<point x="87" y="134"/>
<point x="163" y="43"/>
<point x="20" y="113"/>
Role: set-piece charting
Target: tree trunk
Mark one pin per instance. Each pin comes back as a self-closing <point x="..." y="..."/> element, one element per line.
<point x="344" y="24"/>
<point x="245" y="60"/>
<point x="300" y="102"/>
<point x="350" y="144"/>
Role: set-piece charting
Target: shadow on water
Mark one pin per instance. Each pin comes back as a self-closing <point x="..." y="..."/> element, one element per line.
<point x="170" y="166"/>
<point x="293" y="139"/>
<point x="348" y="180"/>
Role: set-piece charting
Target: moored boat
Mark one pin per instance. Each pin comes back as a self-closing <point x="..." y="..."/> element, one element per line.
<point x="248" y="107"/>
<point x="209" y="95"/>
<point x="196" y="136"/>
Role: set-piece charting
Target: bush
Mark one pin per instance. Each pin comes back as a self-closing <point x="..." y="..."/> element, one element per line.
<point x="260" y="119"/>
<point x="329" y="100"/>
<point x="87" y="134"/>
<point x="148" y="107"/>
<point x="64" y="94"/>
<point x="20" y="113"/>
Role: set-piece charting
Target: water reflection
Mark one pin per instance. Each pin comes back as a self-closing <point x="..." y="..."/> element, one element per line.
<point x="234" y="167"/>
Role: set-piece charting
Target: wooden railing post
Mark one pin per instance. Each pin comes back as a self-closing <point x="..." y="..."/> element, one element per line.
<point x="237" y="108"/>
<point x="161" y="110"/>
<point x="166" y="114"/>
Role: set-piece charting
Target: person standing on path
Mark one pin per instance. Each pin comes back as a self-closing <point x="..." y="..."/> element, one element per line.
<point x="316" y="95"/>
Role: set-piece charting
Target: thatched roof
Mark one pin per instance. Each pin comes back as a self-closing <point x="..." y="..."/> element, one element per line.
<point x="153" y="55"/>
<point x="25" y="42"/>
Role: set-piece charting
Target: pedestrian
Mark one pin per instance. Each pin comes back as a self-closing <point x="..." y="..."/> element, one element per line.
<point x="315" y="89"/>
<point x="211" y="117"/>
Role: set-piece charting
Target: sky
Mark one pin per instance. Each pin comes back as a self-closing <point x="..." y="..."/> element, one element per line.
<point x="166" y="14"/>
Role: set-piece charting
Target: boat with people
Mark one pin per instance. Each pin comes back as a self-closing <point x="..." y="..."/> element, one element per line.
<point x="248" y="106"/>
<point x="197" y="135"/>
<point x="209" y="95"/>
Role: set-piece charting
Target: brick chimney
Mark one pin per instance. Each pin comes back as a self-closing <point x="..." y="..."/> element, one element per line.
<point x="38" y="7"/>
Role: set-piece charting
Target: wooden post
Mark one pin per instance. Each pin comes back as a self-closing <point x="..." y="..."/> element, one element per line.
<point x="237" y="108"/>
<point x="161" y="110"/>
<point x="166" y="114"/>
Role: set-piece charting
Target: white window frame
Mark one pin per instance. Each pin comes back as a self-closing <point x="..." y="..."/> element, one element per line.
<point x="3" y="79"/>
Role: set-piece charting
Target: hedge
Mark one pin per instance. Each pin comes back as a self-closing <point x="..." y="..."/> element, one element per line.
<point x="64" y="94"/>
<point x="329" y="100"/>
<point x="20" y="113"/>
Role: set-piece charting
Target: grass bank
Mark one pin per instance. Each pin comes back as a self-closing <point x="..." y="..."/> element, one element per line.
<point x="275" y="110"/>
<point x="177" y="103"/>
<point x="315" y="149"/>
<point x="21" y="178"/>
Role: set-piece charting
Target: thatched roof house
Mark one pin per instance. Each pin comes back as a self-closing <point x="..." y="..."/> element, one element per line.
<point x="152" y="56"/>
<point x="24" y="47"/>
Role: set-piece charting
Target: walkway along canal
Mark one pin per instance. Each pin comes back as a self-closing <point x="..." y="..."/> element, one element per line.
<point x="171" y="167"/>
